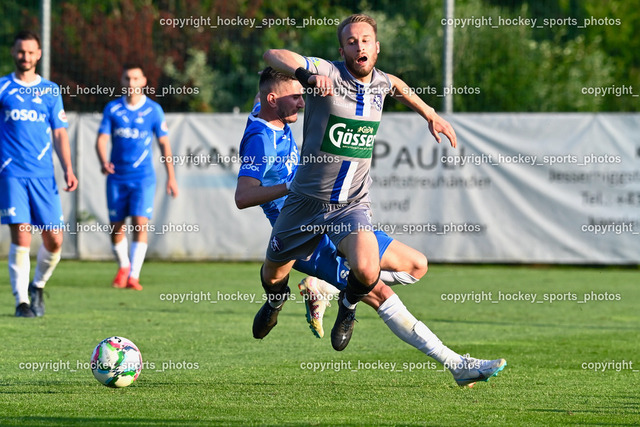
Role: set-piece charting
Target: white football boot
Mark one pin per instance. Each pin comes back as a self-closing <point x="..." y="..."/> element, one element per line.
<point x="316" y="302"/>
<point x="470" y="370"/>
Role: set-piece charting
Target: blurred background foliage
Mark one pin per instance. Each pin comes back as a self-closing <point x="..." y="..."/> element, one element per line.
<point x="208" y="65"/>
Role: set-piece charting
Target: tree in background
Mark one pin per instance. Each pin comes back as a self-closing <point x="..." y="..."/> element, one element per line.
<point x="213" y="66"/>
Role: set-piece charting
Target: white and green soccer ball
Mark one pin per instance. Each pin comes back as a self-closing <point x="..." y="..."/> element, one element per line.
<point x="116" y="362"/>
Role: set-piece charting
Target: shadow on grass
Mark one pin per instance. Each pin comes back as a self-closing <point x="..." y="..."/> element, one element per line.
<point x="537" y="325"/>
<point x="129" y="421"/>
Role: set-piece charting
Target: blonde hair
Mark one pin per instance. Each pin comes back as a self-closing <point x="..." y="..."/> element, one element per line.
<point x="357" y="17"/>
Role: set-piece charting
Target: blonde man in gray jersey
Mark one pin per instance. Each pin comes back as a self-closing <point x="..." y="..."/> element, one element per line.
<point x="330" y="192"/>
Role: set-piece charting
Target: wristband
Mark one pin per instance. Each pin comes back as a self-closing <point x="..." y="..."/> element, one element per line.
<point x="302" y="74"/>
<point x="288" y="184"/>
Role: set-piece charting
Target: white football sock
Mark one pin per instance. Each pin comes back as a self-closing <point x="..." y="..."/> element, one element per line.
<point x="391" y="278"/>
<point x="413" y="332"/>
<point x="120" y="251"/>
<point x="19" y="268"/>
<point x="138" y="252"/>
<point x="46" y="263"/>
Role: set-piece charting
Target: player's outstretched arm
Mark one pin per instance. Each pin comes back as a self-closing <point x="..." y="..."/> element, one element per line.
<point x="165" y="149"/>
<point x="288" y="62"/>
<point x="250" y="192"/>
<point x="437" y="125"/>
<point x="284" y="60"/>
<point x="61" y="144"/>
<point x="106" y="166"/>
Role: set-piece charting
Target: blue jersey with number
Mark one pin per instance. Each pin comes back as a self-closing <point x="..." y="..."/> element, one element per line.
<point x="270" y="155"/>
<point x="28" y="113"/>
<point x="132" y="129"/>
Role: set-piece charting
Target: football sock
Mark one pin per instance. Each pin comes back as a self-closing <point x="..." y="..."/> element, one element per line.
<point x="277" y="293"/>
<point x="391" y="278"/>
<point x="138" y="252"/>
<point x="19" y="267"/>
<point x="45" y="264"/>
<point x="347" y="304"/>
<point x="277" y="302"/>
<point x="120" y="251"/>
<point x="356" y="290"/>
<point x="410" y="330"/>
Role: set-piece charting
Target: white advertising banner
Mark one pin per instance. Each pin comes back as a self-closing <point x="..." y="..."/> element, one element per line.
<point x="203" y="221"/>
<point x="520" y="188"/>
<point x="533" y="188"/>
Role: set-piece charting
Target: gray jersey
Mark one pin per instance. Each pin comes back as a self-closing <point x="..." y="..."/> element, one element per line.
<point x="339" y="133"/>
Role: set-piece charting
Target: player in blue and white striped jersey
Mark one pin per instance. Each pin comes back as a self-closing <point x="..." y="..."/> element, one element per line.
<point x="344" y="104"/>
<point x="331" y="188"/>
<point x="269" y="160"/>
<point x="268" y="152"/>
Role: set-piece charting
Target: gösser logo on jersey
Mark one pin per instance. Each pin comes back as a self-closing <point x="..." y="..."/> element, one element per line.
<point x="350" y="138"/>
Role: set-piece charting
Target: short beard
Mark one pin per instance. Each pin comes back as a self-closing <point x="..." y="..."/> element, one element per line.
<point x="23" y="68"/>
<point x="357" y="72"/>
<point x="282" y="117"/>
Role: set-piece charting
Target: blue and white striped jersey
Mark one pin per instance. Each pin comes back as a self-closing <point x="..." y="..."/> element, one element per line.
<point x="339" y="133"/>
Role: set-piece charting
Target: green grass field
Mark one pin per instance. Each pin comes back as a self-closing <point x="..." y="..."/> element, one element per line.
<point x="202" y="365"/>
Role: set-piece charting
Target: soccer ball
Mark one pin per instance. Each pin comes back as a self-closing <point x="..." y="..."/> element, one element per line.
<point x="116" y="362"/>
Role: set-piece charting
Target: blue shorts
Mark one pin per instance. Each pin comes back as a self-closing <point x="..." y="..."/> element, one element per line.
<point x="327" y="265"/>
<point x="130" y="198"/>
<point x="32" y="201"/>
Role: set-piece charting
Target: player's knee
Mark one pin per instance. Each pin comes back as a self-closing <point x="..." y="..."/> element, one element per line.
<point x="366" y="267"/>
<point x="377" y="296"/>
<point x="420" y="266"/>
<point x="272" y="275"/>
<point x="52" y="242"/>
<point x="367" y="274"/>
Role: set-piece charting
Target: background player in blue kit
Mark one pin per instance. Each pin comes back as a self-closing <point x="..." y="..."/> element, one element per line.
<point x="32" y="118"/>
<point x="270" y="158"/>
<point x="131" y="122"/>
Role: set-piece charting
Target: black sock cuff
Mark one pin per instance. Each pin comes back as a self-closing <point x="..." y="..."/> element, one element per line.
<point x="356" y="290"/>
<point x="279" y="291"/>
